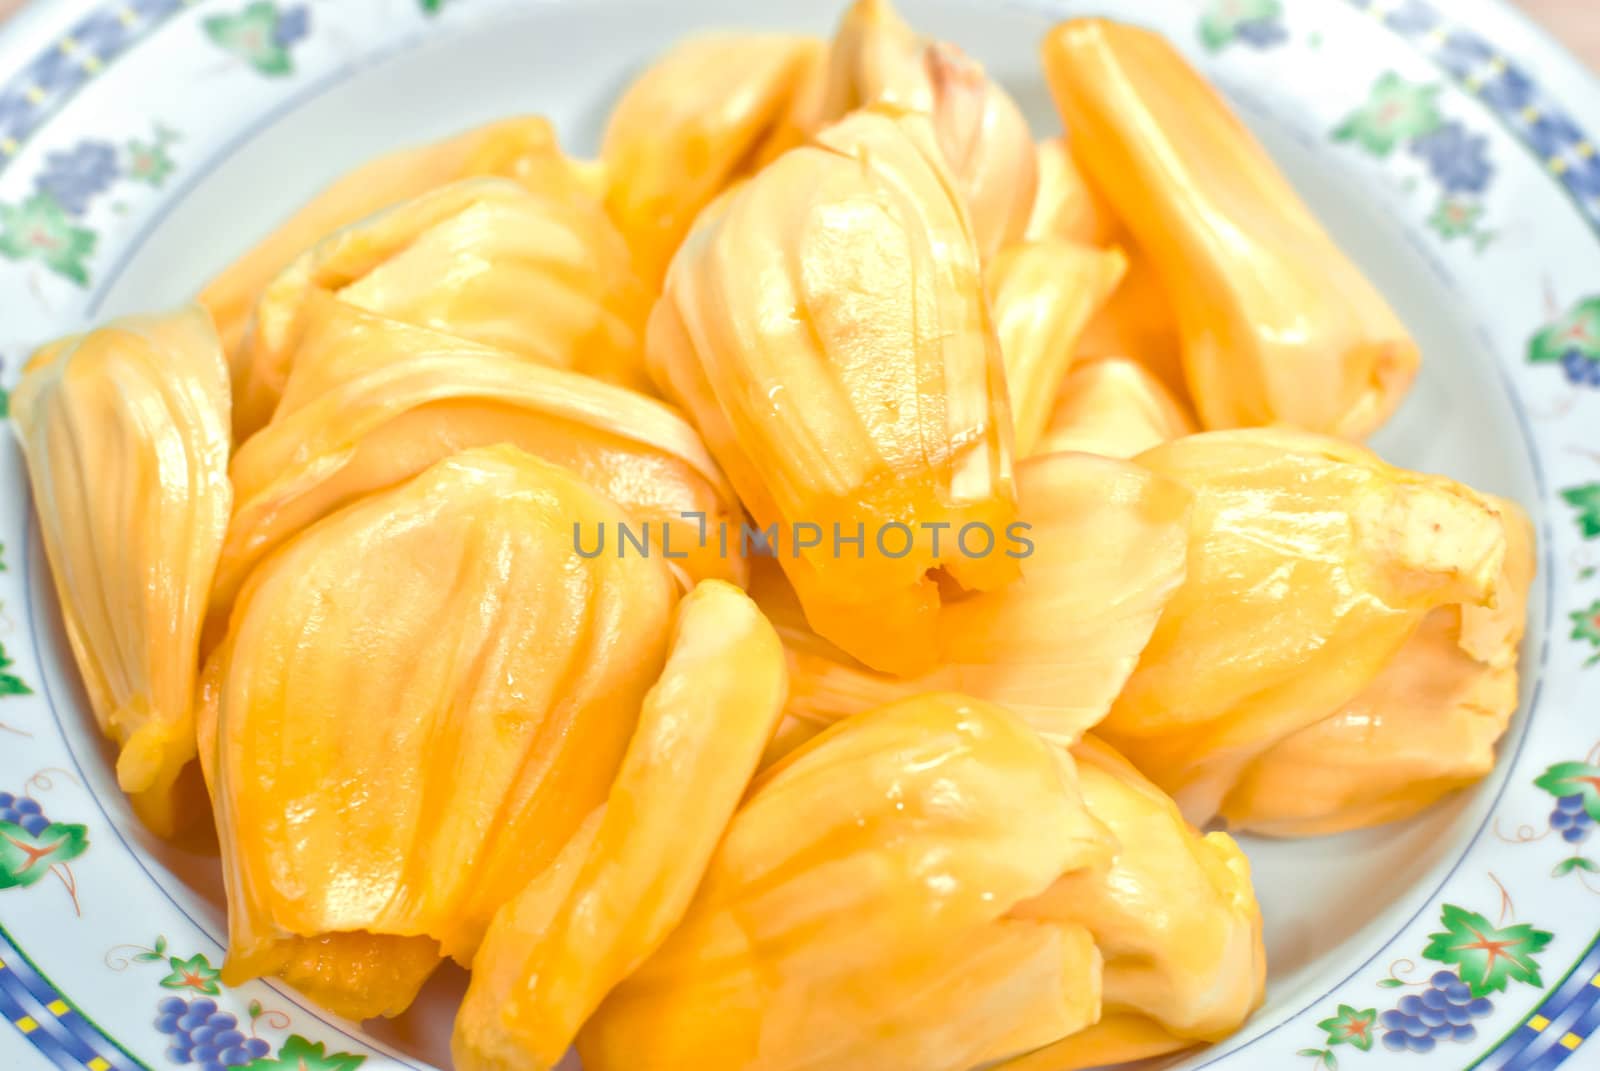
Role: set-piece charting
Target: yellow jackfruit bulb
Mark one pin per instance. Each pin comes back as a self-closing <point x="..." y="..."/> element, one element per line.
<point x="1277" y="324"/>
<point x="1105" y="550"/>
<point x="1066" y="206"/>
<point x="539" y="274"/>
<point x="418" y="702"/>
<point x="855" y="915"/>
<point x="980" y="130"/>
<point x="125" y="432"/>
<point x="1175" y="917"/>
<point x="1042" y="294"/>
<point x="825" y="326"/>
<point x="384" y="400"/>
<point x="1311" y="562"/>
<point x="1114" y="407"/>
<point x="522" y="148"/>
<point x="1426" y="725"/>
<point x="1138" y="322"/>
<point x="578" y="929"/>
<point x="690" y="126"/>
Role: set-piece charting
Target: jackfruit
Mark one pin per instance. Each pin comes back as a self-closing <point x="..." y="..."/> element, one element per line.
<point x="539" y="274"/>
<point x="1277" y="325"/>
<point x="125" y="432"/>
<point x="1115" y="407"/>
<point x="621" y="885"/>
<point x="1311" y="562"/>
<point x="418" y="702"/>
<point x="855" y="914"/>
<point x="825" y="327"/>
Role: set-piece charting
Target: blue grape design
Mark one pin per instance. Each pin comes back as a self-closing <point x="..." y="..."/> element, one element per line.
<point x="23" y="811"/>
<point x="1442" y="1012"/>
<point x="1571" y="820"/>
<point x="203" y="1034"/>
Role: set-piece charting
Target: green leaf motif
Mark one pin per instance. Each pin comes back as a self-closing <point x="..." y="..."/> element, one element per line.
<point x="39" y="229"/>
<point x="194" y="973"/>
<point x="1390" y="983"/>
<point x="1586" y="627"/>
<point x="1455" y="217"/>
<point x="1577" y="862"/>
<point x="25" y="858"/>
<point x="431" y="7"/>
<point x="148" y="162"/>
<point x="252" y="36"/>
<point x="10" y="683"/>
<point x="1395" y="111"/>
<point x="1578" y="330"/>
<point x="299" y="1054"/>
<point x="1573" y="779"/>
<point x="1351" y="1027"/>
<point x="1219" y="26"/>
<point x="1585" y="499"/>
<point x="1488" y="957"/>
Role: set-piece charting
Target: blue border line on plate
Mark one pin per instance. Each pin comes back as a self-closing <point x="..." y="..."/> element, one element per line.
<point x="52" y="1023"/>
<point x="1530" y="114"/>
<point x="52" y="78"/>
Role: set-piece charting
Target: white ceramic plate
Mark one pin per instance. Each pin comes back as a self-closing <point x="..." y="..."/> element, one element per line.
<point x="1446" y="145"/>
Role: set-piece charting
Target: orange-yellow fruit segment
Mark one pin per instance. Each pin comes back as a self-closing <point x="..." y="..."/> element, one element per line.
<point x="125" y="432"/>
<point x="855" y="912"/>
<point x="1066" y="206"/>
<point x="391" y="399"/>
<point x="1310" y="564"/>
<point x="1042" y="293"/>
<point x="876" y="57"/>
<point x="1277" y="324"/>
<point x="1138" y="322"/>
<point x="1118" y="1038"/>
<point x="1175" y="916"/>
<point x="560" y="945"/>
<point x="541" y="274"/>
<point x="825" y="326"/>
<point x="522" y="148"/>
<point x="1426" y="725"/>
<point x="1108" y="543"/>
<point x="418" y="701"/>
<point x="690" y="126"/>
<point x="1114" y="407"/>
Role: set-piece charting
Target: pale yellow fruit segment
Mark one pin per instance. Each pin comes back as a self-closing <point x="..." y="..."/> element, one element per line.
<point x="521" y="148"/>
<point x="693" y="124"/>
<point x="541" y="274"/>
<point x="1115" y="407"/>
<point x="1426" y="725"/>
<point x="1310" y="564"/>
<point x="1042" y="294"/>
<point x="418" y="702"/>
<point x="1277" y="324"/>
<point x="875" y="57"/>
<point x="125" y="431"/>
<point x="373" y="402"/>
<point x="560" y="945"/>
<point x="825" y="326"/>
<point x="855" y="914"/>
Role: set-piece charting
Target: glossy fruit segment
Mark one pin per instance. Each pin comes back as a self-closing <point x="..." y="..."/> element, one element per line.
<point x="522" y="148"/>
<point x="125" y="431"/>
<point x="1310" y="564"/>
<point x="1426" y="725"/>
<point x="560" y="945"/>
<point x="1175" y="917"/>
<point x="1138" y="323"/>
<point x="876" y="57"/>
<point x="855" y="914"/>
<point x="1066" y="206"/>
<point x="1277" y="325"/>
<point x="825" y="327"/>
<point x="1114" y="407"/>
<point x="1042" y="294"/>
<point x="373" y="402"/>
<point x="1108" y="540"/>
<point x="539" y="274"/>
<point x="693" y="124"/>
<point x="418" y="702"/>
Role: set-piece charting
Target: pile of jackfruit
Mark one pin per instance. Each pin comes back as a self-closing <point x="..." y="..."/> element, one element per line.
<point x="324" y="548"/>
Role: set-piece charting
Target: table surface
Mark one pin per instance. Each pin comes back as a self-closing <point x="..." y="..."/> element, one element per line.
<point x="1576" y="23"/>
